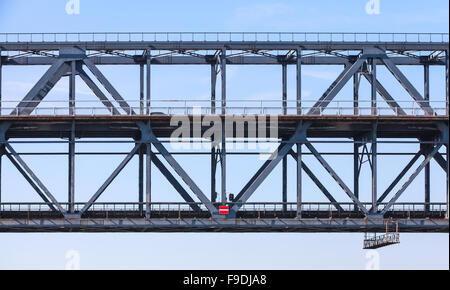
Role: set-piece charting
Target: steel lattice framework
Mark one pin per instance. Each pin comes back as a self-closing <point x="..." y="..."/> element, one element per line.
<point x="146" y="124"/>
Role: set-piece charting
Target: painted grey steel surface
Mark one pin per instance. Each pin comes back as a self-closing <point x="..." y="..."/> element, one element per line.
<point x="299" y="124"/>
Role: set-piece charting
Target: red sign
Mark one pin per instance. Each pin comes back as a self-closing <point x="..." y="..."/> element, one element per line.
<point x="224" y="210"/>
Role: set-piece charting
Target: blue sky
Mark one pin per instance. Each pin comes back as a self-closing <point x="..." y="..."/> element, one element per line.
<point x="256" y="250"/>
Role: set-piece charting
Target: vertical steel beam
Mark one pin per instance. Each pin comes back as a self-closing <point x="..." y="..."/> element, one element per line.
<point x="141" y="91"/>
<point x="73" y="74"/>
<point x="299" y="180"/>
<point x="426" y="96"/>
<point x="213" y="174"/>
<point x="284" y="85"/>
<point x="1" y="80"/>
<point x="148" y="180"/>
<point x="223" y="158"/>
<point x="1" y="165"/>
<point x="213" y="88"/>
<point x="284" y="165"/>
<point x="447" y="181"/>
<point x="374" y="86"/>
<point x="148" y="80"/>
<point x="299" y="81"/>
<point x="284" y="180"/>
<point x="141" y="179"/>
<point x="213" y="147"/>
<point x="356" y="82"/>
<point x="71" y="197"/>
<point x="356" y="171"/>
<point x="447" y="77"/>
<point x="374" y="168"/>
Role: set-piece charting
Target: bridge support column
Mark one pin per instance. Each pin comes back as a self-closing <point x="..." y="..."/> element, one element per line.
<point x="213" y="145"/>
<point x="71" y="197"/>
<point x="374" y="169"/>
<point x="223" y="70"/>
<point x="427" y="167"/>
<point x="356" y="170"/>
<point x="148" y="180"/>
<point x="299" y="180"/>
<point x="284" y="165"/>
<point x="148" y="79"/>
<point x="1" y="69"/>
<point x="141" y="91"/>
<point x="299" y="81"/>
<point x="374" y="86"/>
<point x="141" y="180"/>
<point x="356" y="82"/>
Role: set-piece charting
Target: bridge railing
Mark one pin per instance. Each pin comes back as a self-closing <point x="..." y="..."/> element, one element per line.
<point x="105" y="207"/>
<point x="356" y="37"/>
<point x="233" y="107"/>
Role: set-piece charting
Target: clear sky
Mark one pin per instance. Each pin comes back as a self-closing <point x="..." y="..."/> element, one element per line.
<point x="205" y="251"/>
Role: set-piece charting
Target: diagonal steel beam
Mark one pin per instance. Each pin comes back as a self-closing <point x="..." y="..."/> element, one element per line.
<point x="337" y="86"/>
<point x="96" y="90"/>
<point x="411" y="179"/>
<point x="397" y="73"/>
<point x="148" y="135"/>
<point x="30" y="181"/>
<point x="317" y="182"/>
<point x="104" y="81"/>
<point x="336" y="177"/>
<point x="49" y="197"/>
<point x="110" y="179"/>
<point x="386" y="96"/>
<point x="400" y="176"/>
<point x="174" y="182"/>
<point x="254" y="177"/>
<point x="42" y="88"/>
<point x="269" y="166"/>
<point x="441" y="161"/>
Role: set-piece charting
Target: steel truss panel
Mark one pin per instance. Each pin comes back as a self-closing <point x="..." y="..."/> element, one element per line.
<point x="146" y="130"/>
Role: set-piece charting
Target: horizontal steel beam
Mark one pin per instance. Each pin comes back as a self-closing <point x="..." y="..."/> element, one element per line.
<point x="191" y="60"/>
<point x="213" y="45"/>
<point x="221" y="225"/>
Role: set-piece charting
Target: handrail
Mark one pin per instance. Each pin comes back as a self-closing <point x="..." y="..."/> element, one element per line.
<point x="355" y="37"/>
<point x="251" y="206"/>
<point x="207" y="107"/>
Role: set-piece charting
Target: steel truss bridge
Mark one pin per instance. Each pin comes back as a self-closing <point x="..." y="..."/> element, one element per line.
<point x="145" y="123"/>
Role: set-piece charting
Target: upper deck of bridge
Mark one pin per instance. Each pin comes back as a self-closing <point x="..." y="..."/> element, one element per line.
<point x="217" y="40"/>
